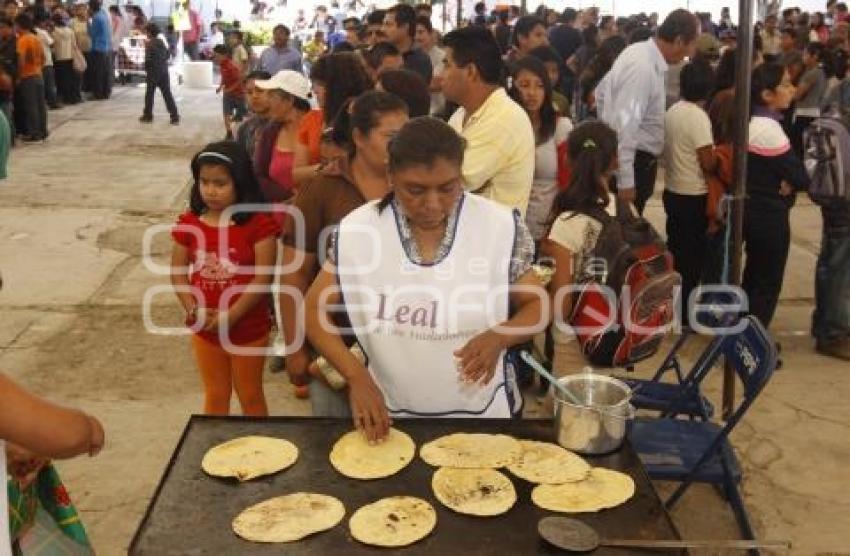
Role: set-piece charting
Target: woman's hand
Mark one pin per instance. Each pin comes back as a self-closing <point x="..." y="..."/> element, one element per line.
<point x="479" y="356"/>
<point x="209" y="319"/>
<point x="22" y="464"/>
<point x="367" y="407"/>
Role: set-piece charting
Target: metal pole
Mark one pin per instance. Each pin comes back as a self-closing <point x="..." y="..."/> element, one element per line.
<point x="445" y="14"/>
<point x="459" y="14"/>
<point x="740" y="141"/>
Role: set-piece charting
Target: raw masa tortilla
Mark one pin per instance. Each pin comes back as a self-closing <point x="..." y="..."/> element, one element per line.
<point x="603" y="488"/>
<point x="289" y="518"/>
<point x="394" y="521"/>
<point x="482" y="492"/>
<point x="471" y="451"/>
<point x="354" y="457"/>
<point x="249" y="457"/>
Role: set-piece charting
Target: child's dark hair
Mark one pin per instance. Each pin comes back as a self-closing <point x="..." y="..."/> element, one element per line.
<point x="152" y="30"/>
<point x="591" y="147"/>
<point x="232" y="156"/>
<point x="696" y="81"/>
<point x="363" y="114"/>
<point x="815" y="49"/>
<point x="548" y="117"/>
<point x="421" y="142"/>
<point x="766" y="77"/>
<point x="221" y="49"/>
<point x="258" y="75"/>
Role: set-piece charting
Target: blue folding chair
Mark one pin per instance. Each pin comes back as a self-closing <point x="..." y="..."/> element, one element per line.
<point x="684" y="394"/>
<point x="699" y="451"/>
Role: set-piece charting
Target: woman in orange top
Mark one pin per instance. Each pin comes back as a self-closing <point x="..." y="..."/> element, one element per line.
<point x="30" y="84"/>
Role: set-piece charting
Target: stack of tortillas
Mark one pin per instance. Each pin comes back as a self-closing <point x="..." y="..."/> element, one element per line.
<point x="603" y="488"/>
<point x="354" y="457"/>
<point x="394" y="521"/>
<point x="464" y="450"/>
<point x="467" y="481"/>
<point x="289" y="518"/>
<point x="548" y="464"/>
<point x="249" y="457"/>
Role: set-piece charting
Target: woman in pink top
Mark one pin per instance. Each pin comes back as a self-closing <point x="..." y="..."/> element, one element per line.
<point x="275" y="157"/>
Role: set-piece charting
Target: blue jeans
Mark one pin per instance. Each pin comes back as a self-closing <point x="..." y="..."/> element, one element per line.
<point x="831" y="319"/>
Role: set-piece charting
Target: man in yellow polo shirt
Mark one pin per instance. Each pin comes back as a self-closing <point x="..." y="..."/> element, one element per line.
<point x="499" y="158"/>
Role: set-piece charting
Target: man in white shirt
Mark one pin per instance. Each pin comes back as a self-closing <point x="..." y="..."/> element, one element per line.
<point x="631" y="99"/>
<point x="425" y="42"/>
<point x="499" y="158"/>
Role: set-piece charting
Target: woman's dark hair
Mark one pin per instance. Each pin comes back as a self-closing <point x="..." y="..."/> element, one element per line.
<point x="477" y="45"/>
<point x="838" y="65"/>
<point x="524" y="26"/>
<point x="591" y="147"/>
<point x="605" y="20"/>
<point x="363" y="114"/>
<point x="696" y="82"/>
<point x="548" y="116"/>
<point x="230" y="155"/>
<point x="409" y="87"/>
<point x="344" y="77"/>
<point x="152" y="30"/>
<point x="766" y="77"/>
<point x="726" y="69"/>
<point x="421" y="142"/>
<point x="258" y="75"/>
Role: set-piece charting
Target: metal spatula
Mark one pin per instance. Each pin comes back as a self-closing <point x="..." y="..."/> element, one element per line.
<point x="575" y="536"/>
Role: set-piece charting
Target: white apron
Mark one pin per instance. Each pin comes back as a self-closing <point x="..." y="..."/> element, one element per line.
<point x="5" y="539"/>
<point x="410" y="318"/>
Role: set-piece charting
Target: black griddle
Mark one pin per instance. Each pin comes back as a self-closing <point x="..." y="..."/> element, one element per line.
<point x="191" y="512"/>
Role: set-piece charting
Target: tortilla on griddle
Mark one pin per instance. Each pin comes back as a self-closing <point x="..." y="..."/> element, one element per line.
<point x="393" y="521"/>
<point x="482" y="492"/>
<point x="354" y="457"/>
<point x="603" y="488"/>
<point x="289" y="518"/>
<point x="467" y="450"/>
<point x="249" y="457"/>
<point x="548" y="464"/>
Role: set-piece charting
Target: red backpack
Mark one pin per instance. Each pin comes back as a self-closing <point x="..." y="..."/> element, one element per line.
<point x="632" y="261"/>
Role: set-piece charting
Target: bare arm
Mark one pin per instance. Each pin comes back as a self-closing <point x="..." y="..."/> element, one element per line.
<point x="707" y="159"/>
<point x="367" y="402"/>
<point x="265" y="254"/>
<point x="180" y="277"/>
<point x="531" y="316"/>
<point x="563" y="277"/>
<point x="291" y="309"/>
<point x="303" y="170"/>
<point x="44" y="428"/>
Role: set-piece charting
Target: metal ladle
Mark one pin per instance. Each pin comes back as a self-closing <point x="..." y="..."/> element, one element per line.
<point x="573" y="535"/>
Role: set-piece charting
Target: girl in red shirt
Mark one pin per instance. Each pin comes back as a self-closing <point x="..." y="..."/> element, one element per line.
<point x="222" y="266"/>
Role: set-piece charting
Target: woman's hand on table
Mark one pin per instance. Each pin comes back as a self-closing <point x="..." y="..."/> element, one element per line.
<point x="479" y="356"/>
<point x="368" y="408"/>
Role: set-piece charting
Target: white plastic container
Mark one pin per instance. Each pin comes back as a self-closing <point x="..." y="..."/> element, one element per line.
<point x="198" y="75"/>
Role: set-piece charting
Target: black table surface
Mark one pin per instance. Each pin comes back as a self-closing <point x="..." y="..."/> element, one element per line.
<point x="191" y="513"/>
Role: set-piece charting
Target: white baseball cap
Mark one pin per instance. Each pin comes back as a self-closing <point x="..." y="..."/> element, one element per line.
<point x="287" y="81"/>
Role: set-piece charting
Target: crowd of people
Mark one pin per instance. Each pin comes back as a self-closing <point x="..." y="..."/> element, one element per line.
<point x="574" y="113"/>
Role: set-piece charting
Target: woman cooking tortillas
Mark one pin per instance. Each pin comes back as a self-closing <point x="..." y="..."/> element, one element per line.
<point x="437" y="285"/>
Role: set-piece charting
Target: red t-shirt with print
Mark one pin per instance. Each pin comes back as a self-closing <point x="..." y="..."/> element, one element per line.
<point x="215" y="254"/>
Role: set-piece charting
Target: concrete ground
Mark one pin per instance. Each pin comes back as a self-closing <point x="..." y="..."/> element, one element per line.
<point x="73" y="215"/>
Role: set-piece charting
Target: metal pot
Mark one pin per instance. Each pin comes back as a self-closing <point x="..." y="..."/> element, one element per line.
<point x="598" y="424"/>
